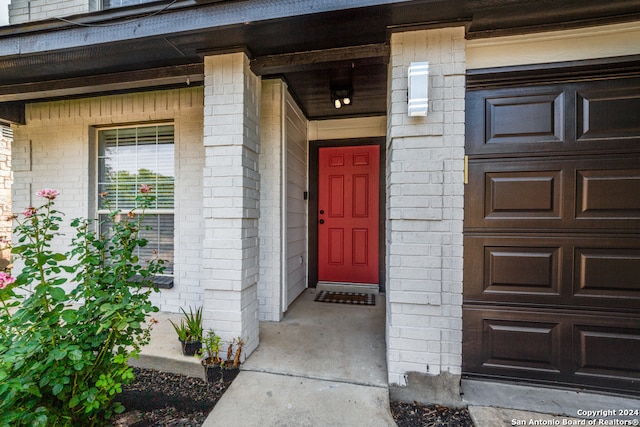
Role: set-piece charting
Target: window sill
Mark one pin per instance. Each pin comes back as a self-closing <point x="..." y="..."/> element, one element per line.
<point x="161" y="282"/>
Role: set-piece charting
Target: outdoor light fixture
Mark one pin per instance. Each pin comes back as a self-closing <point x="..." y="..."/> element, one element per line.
<point x="341" y="95"/>
<point x="418" y="88"/>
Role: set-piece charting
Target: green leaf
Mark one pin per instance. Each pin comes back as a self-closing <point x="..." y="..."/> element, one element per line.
<point x="75" y="400"/>
<point x="69" y="316"/>
<point x="75" y="355"/>
<point x="57" y="389"/>
<point x="57" y="294"/>
<point x="58" y="353"/>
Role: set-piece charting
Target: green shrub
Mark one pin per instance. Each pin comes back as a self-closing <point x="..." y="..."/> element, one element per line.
<point x="63" y="354"/>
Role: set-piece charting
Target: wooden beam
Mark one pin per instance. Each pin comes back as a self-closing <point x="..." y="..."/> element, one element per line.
<point x="104" y="83"/>
<point x="316" y="59"/>
<point x="13" y="112"/>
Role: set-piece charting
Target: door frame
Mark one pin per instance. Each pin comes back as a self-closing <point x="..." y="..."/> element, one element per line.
<point x="314" y="147"/>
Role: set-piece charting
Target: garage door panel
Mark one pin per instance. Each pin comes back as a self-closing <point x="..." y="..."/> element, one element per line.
<point x="603" y="351"/>
<point x="512" y="343"/>
<point x="569" y="272"/>
<point x="608" y="194"/>
<point x="585" y="349"/>
<point x="529" y="118"/>
<point x="529" y="194"/>
<point x="516" y="344"/>
<point x="515" y="272"/>
<point x="608" y="114"/>
<point x="517" y="193"/>
<point x="522" y="270"/>
<point x="571" y="193"/>
<point x="554" y="119"/>
<point x="608" y="272"/>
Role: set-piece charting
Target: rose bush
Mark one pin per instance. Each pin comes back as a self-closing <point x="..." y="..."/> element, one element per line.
<point x="64" y="353"/>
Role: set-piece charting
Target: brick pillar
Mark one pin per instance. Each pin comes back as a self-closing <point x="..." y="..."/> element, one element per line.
<point x="6" y="179"/>
<point x="424" y="219"/>
<point x="271" y="206"/>
<point x="231" y="198"/>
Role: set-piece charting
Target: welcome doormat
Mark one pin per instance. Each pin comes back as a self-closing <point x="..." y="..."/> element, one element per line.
<point x="346" y="298"/>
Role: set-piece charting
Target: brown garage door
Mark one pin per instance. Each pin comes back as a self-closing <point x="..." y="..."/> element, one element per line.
<point x="552" y="227"/>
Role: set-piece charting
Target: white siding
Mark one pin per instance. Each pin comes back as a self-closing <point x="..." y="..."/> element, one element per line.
<point x="53" y="150"/>
<point x="361" y="127"/>
<point x="296" y="220"/>
<point x="555" y="46"/>
<point x="283" y="210"/>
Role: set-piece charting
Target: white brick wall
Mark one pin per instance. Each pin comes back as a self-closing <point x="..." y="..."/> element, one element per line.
<point x="231" y="197"/>
<point x="6" y="179"/>
<point x="53" y="150"/>
<point x="270" y="224"/>
<point x="425" y="208"/>
<point x="21" y="11"/>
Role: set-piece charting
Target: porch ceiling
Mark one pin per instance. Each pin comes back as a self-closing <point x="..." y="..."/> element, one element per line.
<point x="310" y="43"/>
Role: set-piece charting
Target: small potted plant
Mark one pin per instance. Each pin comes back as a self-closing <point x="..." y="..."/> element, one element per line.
<point x="218" y="369"/>
<point x="231" y="366"/>
<point x="210" y="357"/>
<point x="190" y="331"/>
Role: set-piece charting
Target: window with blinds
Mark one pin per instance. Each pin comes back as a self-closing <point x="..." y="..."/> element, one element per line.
<point x="112" y="4"/>
<point x="132" y="156"/>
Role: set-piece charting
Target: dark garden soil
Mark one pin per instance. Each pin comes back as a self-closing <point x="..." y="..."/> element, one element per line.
<point x="160" y="399"/>
<point x="168" y="400"/>
<point x="416" y="415"/>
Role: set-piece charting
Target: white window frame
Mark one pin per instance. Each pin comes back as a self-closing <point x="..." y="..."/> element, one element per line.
<point x="155" y="211"/>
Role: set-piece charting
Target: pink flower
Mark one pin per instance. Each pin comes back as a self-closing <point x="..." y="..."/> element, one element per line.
<point x="48" y="193"/>
<point x="5" y="280"/>
<point x="144" y="188"/>
<point x="29" y="212"/>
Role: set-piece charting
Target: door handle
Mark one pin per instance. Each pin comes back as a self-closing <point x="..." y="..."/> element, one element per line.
<point x="321" y="211"/>
<point x="322" y="221"/>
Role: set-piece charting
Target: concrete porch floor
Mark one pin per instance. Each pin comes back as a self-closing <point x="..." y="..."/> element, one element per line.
<point x="325" y="341"/>
<point x="322" y="365"/>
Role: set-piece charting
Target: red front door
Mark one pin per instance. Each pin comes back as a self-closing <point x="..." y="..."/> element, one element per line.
<point x="348" y="209"/>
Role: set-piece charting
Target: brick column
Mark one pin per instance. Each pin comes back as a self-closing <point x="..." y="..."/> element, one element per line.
<point x="271" y="206"/>
<point x="231" y="198"/>
<point x="424" y="219"/>
<point x="6" y="179"/>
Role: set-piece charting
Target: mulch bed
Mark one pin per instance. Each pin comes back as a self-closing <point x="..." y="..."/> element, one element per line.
<point x="417" y="415"/>
<point x="168" y="400"/>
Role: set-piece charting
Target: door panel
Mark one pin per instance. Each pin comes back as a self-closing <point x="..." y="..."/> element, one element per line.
<point x="552" y="234"/>
<point x="348" y="218"/>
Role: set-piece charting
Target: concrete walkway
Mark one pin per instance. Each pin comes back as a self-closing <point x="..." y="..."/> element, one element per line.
<point x="322" y="365"/>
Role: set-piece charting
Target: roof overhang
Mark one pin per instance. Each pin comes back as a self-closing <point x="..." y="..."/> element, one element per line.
<point x="307" y="42"/>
